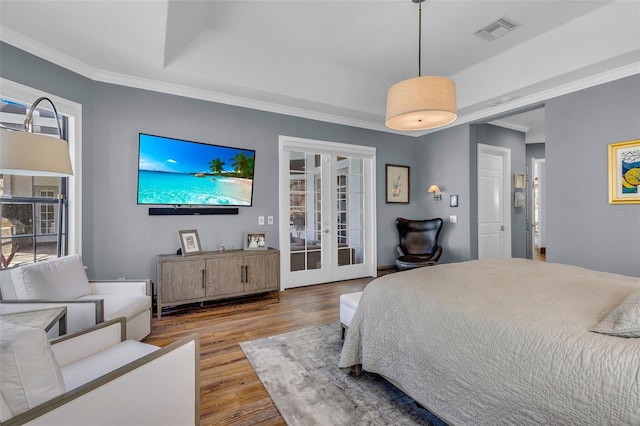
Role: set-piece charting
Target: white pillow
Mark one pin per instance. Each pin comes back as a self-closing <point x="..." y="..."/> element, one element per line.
<point x="62" y="278"/>
<point x="624" y="320"/>
<point x="29" y="371"/>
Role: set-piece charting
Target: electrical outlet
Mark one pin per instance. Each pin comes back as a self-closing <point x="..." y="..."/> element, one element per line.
<point x="269" y="220"/>
<point x="260" y="220"/>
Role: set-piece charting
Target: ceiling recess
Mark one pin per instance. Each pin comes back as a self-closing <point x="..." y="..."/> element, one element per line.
<point x="497" y="29"/>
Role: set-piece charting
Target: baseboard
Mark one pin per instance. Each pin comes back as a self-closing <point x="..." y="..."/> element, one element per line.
<point x="389" y="269"/>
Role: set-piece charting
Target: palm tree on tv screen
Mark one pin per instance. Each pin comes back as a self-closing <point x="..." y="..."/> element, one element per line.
<point x="216" y="166"/>
<point x="243" y="165"/>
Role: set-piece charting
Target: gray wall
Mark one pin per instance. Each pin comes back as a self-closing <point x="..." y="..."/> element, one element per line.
<point x="443" y="160"/>
<point x="534" y="150"/>
<point x="582" y="227"/>
<point x="515" y="141"/>
<point x="120" y="239"/>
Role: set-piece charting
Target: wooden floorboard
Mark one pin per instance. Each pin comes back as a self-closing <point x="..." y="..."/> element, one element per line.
<point x="230" y="391"/>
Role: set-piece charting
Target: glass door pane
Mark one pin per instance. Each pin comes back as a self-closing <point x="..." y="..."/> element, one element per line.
<point x="349" y="211"/>
<point x="305" y="211"/>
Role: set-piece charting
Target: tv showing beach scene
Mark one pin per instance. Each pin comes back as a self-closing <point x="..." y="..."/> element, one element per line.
<point x="180" y="172"/>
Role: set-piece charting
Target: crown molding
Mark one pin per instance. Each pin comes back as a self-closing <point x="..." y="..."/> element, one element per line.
<point x="18" y="40"/>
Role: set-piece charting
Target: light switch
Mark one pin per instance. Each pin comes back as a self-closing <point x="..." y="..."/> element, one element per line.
<point x="269" y="220"/>
<point x="453" y="219"/>
<point x="260" y="220"/>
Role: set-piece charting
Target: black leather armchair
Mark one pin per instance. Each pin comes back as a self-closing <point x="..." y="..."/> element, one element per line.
<point x="418" y="242"/>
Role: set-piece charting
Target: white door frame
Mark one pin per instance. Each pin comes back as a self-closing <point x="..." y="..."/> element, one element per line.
<point x="505" y="154"/>
<point x="368" y="154"/>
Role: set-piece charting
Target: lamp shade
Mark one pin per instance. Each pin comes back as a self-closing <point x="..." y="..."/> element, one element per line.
<point x="421" y="103"/>
<point x="433" y="188"/>
<point x="32" y="154"/>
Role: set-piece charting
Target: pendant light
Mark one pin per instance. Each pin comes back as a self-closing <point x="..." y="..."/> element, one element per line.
<point x="423" y="102"/>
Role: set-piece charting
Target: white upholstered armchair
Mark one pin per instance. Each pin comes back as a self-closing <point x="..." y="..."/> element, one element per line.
<point x="63" y="281"/>
<point x="96" y="377"/>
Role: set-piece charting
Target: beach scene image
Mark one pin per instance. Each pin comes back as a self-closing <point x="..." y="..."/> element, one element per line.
<point x="177" y="172"/>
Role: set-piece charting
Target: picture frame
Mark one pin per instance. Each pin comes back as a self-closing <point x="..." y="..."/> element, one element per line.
<point x="397" y="184"/>
<point x="518" y="199"/>
<point x="453" y="200"/>
<point x="519" y="181"/>
<point x="255" y="241"/>
<point x="624" y="172"/>
<point x="189" y="242"/>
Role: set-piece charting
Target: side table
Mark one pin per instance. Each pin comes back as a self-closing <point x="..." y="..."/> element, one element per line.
<point x="40" y="318"/>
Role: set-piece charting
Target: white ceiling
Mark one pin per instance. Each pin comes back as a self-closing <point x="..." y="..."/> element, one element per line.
<point x="333" y="60"/>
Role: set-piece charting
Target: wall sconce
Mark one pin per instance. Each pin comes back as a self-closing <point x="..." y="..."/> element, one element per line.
<point x="436" y="192"/>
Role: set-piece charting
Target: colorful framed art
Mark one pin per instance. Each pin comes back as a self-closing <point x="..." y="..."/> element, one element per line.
<point x="624" y="172"/>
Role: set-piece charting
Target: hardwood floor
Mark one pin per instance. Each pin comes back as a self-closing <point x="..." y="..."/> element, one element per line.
<point x="230" y="391"/>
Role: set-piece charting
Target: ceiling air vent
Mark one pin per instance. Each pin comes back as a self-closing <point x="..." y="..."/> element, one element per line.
<point x="497" y="29"/>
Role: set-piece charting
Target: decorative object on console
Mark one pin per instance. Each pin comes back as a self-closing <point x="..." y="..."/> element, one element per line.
<point x="190" y="242"/>
<point x="32" y="154"/>
<point x="436" y="192"/>
<point x="397" y="184"/>
<point x="423" y="102"/>
<point x="624" y="172"/>
<point x="255" y="240"/>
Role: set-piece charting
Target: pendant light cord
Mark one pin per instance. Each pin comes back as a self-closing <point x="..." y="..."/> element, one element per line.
<point x="419" y="39"/>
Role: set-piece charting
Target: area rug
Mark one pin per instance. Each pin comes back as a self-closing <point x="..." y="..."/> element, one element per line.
<point x="300" y="371"/>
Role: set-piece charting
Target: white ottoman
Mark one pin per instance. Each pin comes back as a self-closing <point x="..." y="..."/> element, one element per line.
<point x="348" y="305"/>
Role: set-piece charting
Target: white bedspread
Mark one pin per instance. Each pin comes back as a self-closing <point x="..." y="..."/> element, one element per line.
<point x="500" y="342"/>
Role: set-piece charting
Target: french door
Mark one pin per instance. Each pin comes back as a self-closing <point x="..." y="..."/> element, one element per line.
<point x="327" y="199"/>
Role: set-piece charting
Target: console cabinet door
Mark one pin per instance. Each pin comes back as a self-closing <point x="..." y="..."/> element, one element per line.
<point x="261" y="272"/>
<point x="184" y="280"/>
<point x="223" y="276"/>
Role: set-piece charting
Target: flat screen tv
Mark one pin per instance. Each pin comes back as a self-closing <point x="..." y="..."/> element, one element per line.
<point x="179" y="172"/>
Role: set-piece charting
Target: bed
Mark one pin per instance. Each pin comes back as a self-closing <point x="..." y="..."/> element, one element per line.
<point x="505" y="341"/>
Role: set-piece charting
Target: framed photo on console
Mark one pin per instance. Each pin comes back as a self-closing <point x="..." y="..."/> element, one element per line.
<point x="255" y="240"/>
<point x="190" y="242"/>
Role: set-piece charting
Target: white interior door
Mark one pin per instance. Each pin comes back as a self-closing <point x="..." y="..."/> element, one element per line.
<point x="327" y="227"/>
<point x="494" y="207"/>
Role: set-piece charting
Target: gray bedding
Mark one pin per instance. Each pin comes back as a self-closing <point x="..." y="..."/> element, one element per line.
<point x="501" y="342"/>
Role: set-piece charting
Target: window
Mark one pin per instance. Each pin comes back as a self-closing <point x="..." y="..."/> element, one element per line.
<point x="30" y="205"/>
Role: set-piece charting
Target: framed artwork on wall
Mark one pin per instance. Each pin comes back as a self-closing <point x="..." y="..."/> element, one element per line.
<point x="519" y="199"/>
<point x="519" y="181"/>
<point x="624" y="172"/>
<point x="397" y="184"/>
<point x="189" y="242"/>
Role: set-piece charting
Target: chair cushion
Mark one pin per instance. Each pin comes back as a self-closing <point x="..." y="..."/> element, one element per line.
<point x="86" y="369"/>
<point x="126" y="305"/>
<point x="55" y="279"/>
<point x="29" y="371"/>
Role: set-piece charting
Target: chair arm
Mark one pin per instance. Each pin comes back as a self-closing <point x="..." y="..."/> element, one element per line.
<point x="121" y="286"/>
<point x="81" y="314"/>
<point x="161" y="388"/>
<point x="72" y="347"/>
